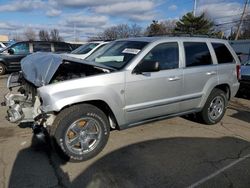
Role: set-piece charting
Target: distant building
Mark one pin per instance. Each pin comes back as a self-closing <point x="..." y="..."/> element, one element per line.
<point x="4" y="38"/>
<point x="242" y="48"/>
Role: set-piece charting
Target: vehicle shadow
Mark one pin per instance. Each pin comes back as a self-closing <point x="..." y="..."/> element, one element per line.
<point x="169" y="162"/>
<point x="243" y="93"/>
<point x="242" y="112"/>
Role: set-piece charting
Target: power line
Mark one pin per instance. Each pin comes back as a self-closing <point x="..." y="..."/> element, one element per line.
<point x="235" y="21"/>
<point x="222" y="17"/>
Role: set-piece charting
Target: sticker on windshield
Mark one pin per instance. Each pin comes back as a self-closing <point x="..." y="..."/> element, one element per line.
<point x="131" y="51"/>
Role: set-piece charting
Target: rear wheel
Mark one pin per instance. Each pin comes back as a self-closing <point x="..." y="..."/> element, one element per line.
<point x="215" y="107"/>
<point x="81" y="131"/>
<point x="2" y="69"/>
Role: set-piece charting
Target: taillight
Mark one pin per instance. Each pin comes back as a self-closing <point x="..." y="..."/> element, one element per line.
<point x="238" y="72"/>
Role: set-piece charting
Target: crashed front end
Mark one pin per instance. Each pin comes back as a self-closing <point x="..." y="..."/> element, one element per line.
<point x="39" y="71"/>
<point x="22" y="100"/>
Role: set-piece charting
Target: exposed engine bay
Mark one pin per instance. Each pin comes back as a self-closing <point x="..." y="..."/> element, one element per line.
<point x="71" y="70"/>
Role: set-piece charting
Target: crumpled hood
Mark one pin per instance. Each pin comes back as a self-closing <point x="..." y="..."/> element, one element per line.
<point x="40" y="67"/>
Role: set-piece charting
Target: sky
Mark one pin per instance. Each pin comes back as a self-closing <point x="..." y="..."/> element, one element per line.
<point x="86" y="18"/>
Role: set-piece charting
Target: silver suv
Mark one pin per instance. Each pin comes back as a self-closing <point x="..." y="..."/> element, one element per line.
<point x="126" y="83"/>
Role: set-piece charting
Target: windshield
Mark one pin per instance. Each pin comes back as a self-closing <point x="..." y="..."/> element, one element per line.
<point x="117" y="54"/>
<point x="85" y="48"/>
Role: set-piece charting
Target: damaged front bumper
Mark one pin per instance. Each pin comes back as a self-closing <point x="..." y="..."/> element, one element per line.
<point x="22" y="105"/>
<point x="17" y="112"/>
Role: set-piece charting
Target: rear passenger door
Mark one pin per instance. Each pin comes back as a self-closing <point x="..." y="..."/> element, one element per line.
<point x="199" y="74"/>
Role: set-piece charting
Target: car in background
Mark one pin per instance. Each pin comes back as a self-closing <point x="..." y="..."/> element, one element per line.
<point x="86" y="49"/>
<point x="11" y="56"/>
<point x="245" y="77"/>
<point x="75" y="45"/>
<point x="2" y="46"/>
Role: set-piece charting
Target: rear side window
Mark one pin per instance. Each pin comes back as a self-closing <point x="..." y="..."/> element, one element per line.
<point x="41" y="47"/>
<point x="222" y="53"/>
<point x="197" y="54"/>
<point x="167" y="54"/>
<point x="62" y="47"/>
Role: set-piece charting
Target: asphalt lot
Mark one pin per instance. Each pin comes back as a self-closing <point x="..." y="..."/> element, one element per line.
<point x="177" y="152"/>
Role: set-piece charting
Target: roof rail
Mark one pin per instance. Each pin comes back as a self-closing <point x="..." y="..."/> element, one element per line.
<point x="184" y="35"/>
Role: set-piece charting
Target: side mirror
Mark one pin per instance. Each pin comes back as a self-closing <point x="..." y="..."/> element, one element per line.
<point x="11" y="51"/>
<point x="147" y="66"/>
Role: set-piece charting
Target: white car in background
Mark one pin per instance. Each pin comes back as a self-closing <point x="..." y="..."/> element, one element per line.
<point x="2" y="46"/>
<point x="86" y="49"/>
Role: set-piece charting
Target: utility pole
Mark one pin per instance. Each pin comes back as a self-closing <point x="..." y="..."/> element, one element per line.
<point x="195" y="6"/>
<point x="241" y="20"/>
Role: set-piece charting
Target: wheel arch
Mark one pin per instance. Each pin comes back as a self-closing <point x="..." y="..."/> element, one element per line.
<point x="103" y="106"/>
<point x="226" y="89"/>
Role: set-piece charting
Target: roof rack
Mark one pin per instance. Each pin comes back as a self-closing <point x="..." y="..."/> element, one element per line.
<point x="184" y="35"/>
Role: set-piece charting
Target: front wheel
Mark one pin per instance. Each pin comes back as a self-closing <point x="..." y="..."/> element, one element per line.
<point x="81" y="131"/>
<point x="2" y="69"/>
<point x="215" y="107"/>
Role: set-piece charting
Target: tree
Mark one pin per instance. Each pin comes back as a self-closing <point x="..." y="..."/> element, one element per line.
<point x="54" y="35"/>
<point x="194" y="24"/>
<point x="120" y="31"/>
<point x="156" y="28"/>
<point x="135" y="30"/>
<point x="44" y="35"/>
<point x="170" y="25"/>
<point x="30" y="34"/>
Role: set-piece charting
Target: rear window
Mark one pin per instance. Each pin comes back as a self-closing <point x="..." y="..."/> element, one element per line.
<point x="222" y="53"/>
<point x="41" y="47"/>
<point x="197" y="54"/>
<point x="62" y="47"/>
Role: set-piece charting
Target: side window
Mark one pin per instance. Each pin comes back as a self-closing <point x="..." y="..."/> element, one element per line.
<point x="197" y="54"/>
<point x="166" y="54"/>
<point x="62" y="47"/>
<point x="21" y="48"/>
<point x="41" y="47"/>
<point x="222" y="53"/>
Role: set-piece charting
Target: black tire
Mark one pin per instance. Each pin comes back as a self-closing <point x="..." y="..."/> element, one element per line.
<point x="209" y="112"/>
<point x="2" y="69"/>
<point x="71" y="131"/>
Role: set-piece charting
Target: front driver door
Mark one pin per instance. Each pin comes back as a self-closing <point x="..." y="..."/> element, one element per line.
<point x="155" y="94"/>
<point x="18" y="51"/>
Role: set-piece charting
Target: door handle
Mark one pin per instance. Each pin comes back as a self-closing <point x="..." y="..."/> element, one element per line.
<point x="174" y="78"/>
<point x="211" y="73"/>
